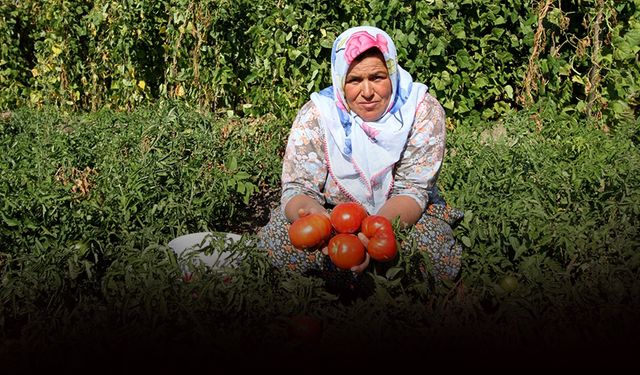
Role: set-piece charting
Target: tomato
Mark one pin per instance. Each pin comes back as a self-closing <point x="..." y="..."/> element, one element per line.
<point x="187" y="276"/>
<point x="346" y="250"/>
<point x="310" y="231"/>
<point x="508" y="283"/>
<point x="383" y="246"/>
<point x="346" y="217"/>
<point x="372" y="223"/>
<point x="305" y="328"/>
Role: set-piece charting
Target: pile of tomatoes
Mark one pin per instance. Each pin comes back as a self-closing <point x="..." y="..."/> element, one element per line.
<point x="340" y="233"/>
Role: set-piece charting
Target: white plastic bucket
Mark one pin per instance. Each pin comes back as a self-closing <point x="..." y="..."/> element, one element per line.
<point x="192" y="245"/>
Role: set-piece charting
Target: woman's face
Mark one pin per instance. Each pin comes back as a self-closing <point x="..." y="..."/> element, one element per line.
<point x="367" y="87"/>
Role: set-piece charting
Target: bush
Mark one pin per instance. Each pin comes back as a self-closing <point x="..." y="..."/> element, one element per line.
<point x="256" y="57"/>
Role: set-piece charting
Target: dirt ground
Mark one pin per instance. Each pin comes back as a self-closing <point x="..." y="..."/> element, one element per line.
<point x="248" y="220"/>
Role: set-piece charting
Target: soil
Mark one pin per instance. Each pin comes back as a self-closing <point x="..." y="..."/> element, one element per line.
<point x="249" y="219"/>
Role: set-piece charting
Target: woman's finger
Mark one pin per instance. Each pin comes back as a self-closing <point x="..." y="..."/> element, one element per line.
<point x="363" y="239"/>
<point x="302" y="212"/>
<point x="360" y="268"/>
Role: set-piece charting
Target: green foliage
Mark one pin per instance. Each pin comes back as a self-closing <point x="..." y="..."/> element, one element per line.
<point x="106" y="175"/>
<point x="545" y="194"/>
<point x="481" y="59"/>
<point x="14" y="56"/>
<point x="86" y="215"/>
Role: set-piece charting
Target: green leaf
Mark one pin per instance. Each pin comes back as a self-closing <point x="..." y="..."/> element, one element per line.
<point x="468" y="216"/>
<point x="577" y="79"/>
<point x="509" y="91"/>
<point x="448" y="104"/>
<point x="436" y="47"/>
<point x="10" y="222"/>
<point x="393" y="272"/>
<point x="480" y="81"/>
<point x="463" y="60"/>
<point x="458" y="31"/>
<point x="620" y="107"/>
<point x="242" y="175"/>
<point x="466" y="241"/>
<point x="293" y="54"/>
<point x="233" y="164"/>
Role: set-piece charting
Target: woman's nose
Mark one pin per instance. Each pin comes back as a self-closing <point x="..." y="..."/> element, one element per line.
<point x="367" y="89"/>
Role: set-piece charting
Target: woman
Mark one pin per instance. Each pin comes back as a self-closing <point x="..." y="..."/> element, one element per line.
<point x="375" y="137"/>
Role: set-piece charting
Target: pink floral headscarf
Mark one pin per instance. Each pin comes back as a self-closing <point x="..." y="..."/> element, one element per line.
<point x="349" y="45"/>
<point x="361" y="155"/>
<point x="361" y="41"/>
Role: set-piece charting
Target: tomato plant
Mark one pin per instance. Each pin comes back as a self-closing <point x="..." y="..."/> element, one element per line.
<point x="346" y="217"/>
<point x="305" y="328"/>
<point x="310" y="231"/>
<point x="346" y="250"/>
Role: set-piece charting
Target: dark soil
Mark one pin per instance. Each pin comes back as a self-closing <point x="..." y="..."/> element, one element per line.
<point x="249" y="219"/>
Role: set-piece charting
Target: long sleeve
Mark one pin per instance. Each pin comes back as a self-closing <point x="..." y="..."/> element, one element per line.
<point x="304" y="169"/>
<point x="418" y="169"/>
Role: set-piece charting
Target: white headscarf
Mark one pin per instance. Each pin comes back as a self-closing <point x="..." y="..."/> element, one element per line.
<point x="361" y="155"/>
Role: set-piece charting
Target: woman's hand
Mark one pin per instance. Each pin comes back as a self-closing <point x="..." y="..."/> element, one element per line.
<point x="302" y="205"/>
<point x="402" y="206"/>
<point x="304" y="211"/>
<point x="360" y="268"/>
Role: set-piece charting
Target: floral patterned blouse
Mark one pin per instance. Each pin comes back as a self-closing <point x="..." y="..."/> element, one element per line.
<point x="305" y="171"/>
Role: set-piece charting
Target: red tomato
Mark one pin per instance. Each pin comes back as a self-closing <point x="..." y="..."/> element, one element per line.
<point x="346" y="217"/>
<point x="372" y="223"/>
<point x="187" y="276"/>
<point x="346" y="250"/>
<point x="305" y="328"/>
<point x="310" y="232"/>
<point x="383" y="246"/>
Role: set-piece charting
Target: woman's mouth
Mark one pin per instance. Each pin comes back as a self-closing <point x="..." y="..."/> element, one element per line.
<point x="369" y="106"/>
